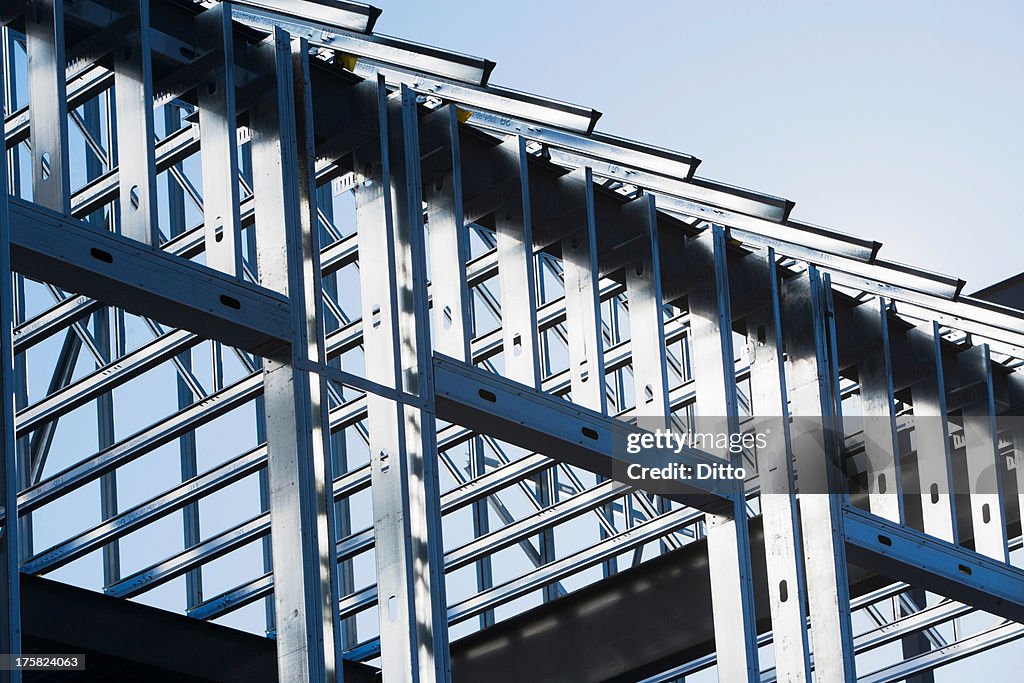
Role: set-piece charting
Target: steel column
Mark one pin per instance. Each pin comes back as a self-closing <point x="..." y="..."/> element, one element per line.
<point x="784" y="561"/>
<point x="10" y="611"/>
<point x="295" y="399"/>
<point x="136" y="163"/>
<point x="732" y="589"/>
<point x="879" y="410"/>
<point x="222" y="228"/>
<point x="396" y="343"/>
<point x="816" y="436"/>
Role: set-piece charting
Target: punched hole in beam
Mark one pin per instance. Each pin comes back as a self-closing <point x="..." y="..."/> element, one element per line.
<point x="230" y="302"/>
<point x="44" y="166"/>
<point x="590" y="433"/>
<point x="447" y="317"/>
<point x="881" y="483"/>
<point x="393" y="608"/>
<point x="986" y="513"/>
<point x="762" y="335"/>
<point x="487" y="395"/>
<point x="935" y="493"/>
<point x="218" y="230"/>
<point x="517" y="345"/>
<point x="783" y="591"/>
<point x="964" y="569"/>
<point x="101" y="255"/>
<point x="885" y="540"/>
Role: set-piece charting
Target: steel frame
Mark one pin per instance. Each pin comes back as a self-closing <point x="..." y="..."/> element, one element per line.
<point x="527" y="291"/>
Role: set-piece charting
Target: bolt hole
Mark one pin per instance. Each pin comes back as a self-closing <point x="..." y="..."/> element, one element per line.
<point x="230" y="302"/>
<point x="964" y="569"/>
<point x="590" y="433"/>
<point x="187" y="53"/>
<point x="393" y="608"/>
<point x="881" y="483"/>
<point x="487" y="395"/>
<point x="885" y="540"/>
<point x="783" y="591"/>
<point x="101" y="255"/>
<point x="986" y="513"/>
<point x="935" y="493"/>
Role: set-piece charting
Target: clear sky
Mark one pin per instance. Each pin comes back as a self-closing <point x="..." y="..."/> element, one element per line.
<point x="896" y="121"/>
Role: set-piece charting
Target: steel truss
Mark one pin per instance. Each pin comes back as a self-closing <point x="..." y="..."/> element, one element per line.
<point x="443" y="304"/>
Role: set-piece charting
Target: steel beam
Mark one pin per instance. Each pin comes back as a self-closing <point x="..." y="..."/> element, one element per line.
<point x="936" y="565"/>
<point x="75" y="256"/>
<point x="541" y="423"/>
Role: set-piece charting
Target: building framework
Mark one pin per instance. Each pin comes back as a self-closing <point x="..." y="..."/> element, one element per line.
<point x="391" y="324"/>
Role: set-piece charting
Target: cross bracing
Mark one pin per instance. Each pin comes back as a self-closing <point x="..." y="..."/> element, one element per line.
<point x="341" y="338"/>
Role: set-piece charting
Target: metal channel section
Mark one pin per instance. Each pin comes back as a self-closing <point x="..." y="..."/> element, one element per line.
<point x="405" y="322"/>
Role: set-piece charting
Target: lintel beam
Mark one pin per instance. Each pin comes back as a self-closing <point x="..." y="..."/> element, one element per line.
<point x="122" y="272"/>
<point x="542" y="423"/>
<point x="894" y="550"/>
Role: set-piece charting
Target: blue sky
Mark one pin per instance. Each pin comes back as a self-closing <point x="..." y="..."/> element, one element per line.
<point x="897" y="121"/>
